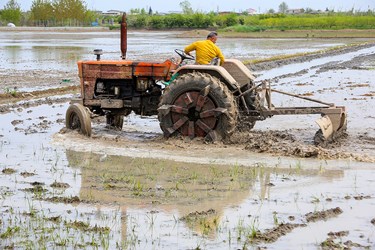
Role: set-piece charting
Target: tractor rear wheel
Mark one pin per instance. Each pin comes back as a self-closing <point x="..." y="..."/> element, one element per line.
<point x="197" y="105"/>
<point x="77" y="118"/>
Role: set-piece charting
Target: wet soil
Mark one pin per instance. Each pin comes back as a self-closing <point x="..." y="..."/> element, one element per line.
<point x="334" y="241"/>
<point x="355" y="63"/>
<point x="274" y="234"/>
<point x="323" y="215"/>
<point x="275" y="142"/>
<point x="189" y="186"/>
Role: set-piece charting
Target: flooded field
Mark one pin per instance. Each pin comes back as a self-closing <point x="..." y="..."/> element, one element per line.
<point x="132" y="189"/>
<point x="51" y="56"/>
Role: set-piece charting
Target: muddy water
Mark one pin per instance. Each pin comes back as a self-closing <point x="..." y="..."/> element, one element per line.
<point x="132" y="189"/>
<point x="56" y="50"/>
<point x="150" y="202"/>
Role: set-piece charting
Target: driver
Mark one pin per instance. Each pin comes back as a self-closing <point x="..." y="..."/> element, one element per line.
<point x="206" y="50"/>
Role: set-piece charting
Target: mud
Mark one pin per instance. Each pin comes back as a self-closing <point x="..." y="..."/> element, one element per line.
<point x="334" y="242"/>
<point x="274" y="234"/>
<point x="323" y="215"/>
<point x="368" y="59"/>
<point x="282" y="143"/>
<point x="66" y="200"/>
<point x="247" y="192"/>
<point x="61" y="185"/>
<point x="8" y="171"/>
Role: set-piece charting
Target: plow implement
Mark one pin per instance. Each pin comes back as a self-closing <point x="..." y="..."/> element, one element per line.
<point x="332" y="122"/>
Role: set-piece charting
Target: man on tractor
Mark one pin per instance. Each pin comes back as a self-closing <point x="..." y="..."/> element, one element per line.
<point x="206" y="50"/>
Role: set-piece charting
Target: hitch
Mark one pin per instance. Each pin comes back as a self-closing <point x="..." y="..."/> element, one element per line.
<point x="332" y="122"/>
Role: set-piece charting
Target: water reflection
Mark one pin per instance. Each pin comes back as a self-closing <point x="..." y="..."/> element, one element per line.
<point x="12" y="53"/>
<point x="197" y="196"/>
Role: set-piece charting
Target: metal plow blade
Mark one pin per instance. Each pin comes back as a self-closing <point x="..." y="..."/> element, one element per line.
<point x="332" y="126"/>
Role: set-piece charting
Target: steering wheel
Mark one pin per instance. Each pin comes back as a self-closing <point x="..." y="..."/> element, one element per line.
<point x="183" y="55"/>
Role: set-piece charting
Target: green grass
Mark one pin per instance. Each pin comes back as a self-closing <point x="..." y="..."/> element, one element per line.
<point x="304" y="22"/>
<point x="253" y="23"/>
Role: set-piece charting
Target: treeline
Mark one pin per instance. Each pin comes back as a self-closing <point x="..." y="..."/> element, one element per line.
<point x="59" y="13"/>
<point x="48" y="13"/>
<point x="248" y="23"/>
<point x="75" y="13"/>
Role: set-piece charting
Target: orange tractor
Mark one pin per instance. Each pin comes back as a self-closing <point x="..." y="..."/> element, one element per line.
<point x="191" y="100"/>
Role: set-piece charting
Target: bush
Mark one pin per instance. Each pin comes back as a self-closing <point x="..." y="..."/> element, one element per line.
<point x="245" y="28"/>
<point x="157" y="22"/>
<point x="253" y="23"/>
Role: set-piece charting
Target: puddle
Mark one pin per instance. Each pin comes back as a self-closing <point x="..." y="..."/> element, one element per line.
<point x="143" y="203"/>
<point x="133" y="189"/>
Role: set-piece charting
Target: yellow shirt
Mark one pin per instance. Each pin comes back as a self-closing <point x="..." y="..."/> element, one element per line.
<point x="205" y="51"/>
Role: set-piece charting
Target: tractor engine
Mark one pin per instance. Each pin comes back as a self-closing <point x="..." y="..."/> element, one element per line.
<point x="141" y="95"/>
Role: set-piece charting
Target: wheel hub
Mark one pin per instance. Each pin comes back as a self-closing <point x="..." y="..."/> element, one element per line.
<point x="193" y="114"/>
<point x="75" y="122"/>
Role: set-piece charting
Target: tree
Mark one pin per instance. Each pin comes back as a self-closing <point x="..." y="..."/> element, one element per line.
<point x="60" y="12"/>
<point x="150" y="11"/>
<point x="271" y="11"/>
<point x="42" y="12"/>
<point x="309" y="10"/>
<point x="12" y="12"/>
<point x="69" y="10"/>
<point x="283" y="7"/>
<point x="186" y="7"/>
<point x="230" y="20"/>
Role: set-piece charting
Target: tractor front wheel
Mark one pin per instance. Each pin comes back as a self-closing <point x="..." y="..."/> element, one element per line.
<point x="197" y="105"/>
<point x="77" y="118"/>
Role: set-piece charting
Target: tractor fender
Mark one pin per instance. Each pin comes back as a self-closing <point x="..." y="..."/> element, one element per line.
<point x="217" y="71"/>
<point x="239" y="71"/>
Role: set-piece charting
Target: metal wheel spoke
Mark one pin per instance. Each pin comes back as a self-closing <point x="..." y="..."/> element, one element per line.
<point x="212" y="112"/>
<point x="203" y="126"/>
<point x="191" y="129"/>
<point x="180" y="122"/>
<point x="200" y="103"/>
<point x="179" y="110"/>
<point x="202" y="98"/>
<point x="188" y="99"/>
<point x="177" y="125"/>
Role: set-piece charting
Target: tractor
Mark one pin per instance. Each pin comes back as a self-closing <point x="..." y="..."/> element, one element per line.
<point x="208" y="101"/>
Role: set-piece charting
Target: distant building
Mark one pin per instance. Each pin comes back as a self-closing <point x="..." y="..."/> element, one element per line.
<point x="295" y="11"/>
<point x="175" y="12"/>
<point x="113" y="13"/>
<point x="251" y="11"/>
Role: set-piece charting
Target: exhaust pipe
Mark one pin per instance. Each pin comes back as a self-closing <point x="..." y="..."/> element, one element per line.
<point x="124" y="37"/>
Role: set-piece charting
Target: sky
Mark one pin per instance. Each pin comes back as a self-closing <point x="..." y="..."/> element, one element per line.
<point x="261" y="6"/>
